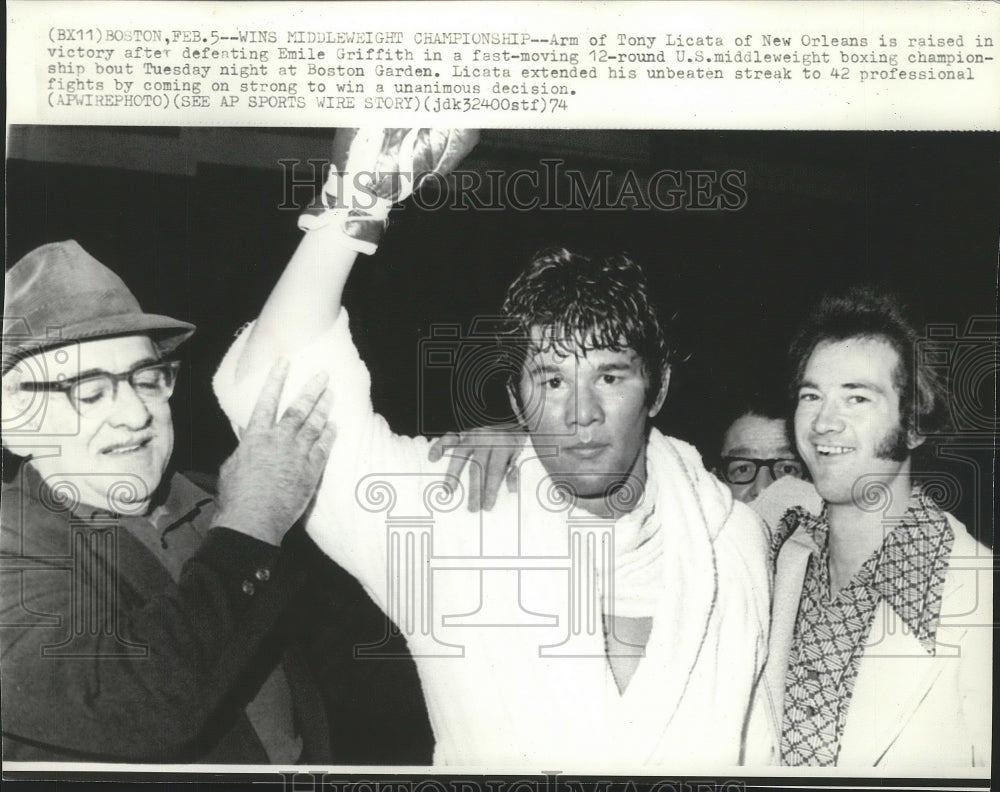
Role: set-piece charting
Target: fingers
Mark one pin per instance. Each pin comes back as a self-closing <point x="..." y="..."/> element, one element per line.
<point x="300" y="410"/>
<point x="320" y="452"/>
<point x="456" y="464"/>
<point x="314" y="424"/>
<point x="496" y="471"/>
<point x="442" y="444"/>
<point x="493" y="455"/>
<point x="266" y="408"/>
<point x="501" y="466"/>
<point x="512" y="468"/>
<point x="475" y="502"/>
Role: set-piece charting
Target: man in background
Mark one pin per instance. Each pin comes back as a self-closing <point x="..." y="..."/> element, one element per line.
<point x="756" y="451"/>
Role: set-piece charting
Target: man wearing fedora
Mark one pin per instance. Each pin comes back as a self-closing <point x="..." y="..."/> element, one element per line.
<point x="138" y="612"/>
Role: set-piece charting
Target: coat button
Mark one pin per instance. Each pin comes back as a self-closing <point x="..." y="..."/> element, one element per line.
<point x="248" y="588"/>
<point x="263" y="574"/>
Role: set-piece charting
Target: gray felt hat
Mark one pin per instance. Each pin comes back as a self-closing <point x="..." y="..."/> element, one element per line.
<point x="59" y="293"/>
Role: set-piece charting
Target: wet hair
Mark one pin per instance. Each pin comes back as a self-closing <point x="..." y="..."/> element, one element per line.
<point x="865" y="312"/>
<point x="584" y="302"/>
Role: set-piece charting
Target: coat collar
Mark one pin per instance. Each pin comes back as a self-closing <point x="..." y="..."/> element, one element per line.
<point x="910" y="565"/>
<point x="872" y="727"/>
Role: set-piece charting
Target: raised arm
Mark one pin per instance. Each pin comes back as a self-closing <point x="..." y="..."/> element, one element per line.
<point x="303" y="321"/>
<point x="305" y="301"/>
<point x="371" y="169"/>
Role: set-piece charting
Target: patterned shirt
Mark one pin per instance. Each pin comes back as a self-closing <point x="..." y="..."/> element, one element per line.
<point x="830" y="635"/>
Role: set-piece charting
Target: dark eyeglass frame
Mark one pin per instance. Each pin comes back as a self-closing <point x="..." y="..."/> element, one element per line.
<point x="758" y="464"/>
<point x="68" y="386"/>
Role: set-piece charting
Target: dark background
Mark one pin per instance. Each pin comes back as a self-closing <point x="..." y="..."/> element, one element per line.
<point x="190" y="220"/>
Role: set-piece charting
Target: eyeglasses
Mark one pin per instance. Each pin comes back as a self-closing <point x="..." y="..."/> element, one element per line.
<point x="89" y="395"/>
<point x="743" y="470"/>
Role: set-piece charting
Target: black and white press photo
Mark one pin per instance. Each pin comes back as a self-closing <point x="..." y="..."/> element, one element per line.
<point x="586" y="451"/>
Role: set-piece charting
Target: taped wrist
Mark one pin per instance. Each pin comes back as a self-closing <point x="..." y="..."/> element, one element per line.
<point x="371" y="170"/>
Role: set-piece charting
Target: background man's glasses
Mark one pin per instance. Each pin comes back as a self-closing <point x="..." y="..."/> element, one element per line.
<point x="743" y="470"/>
<point x="90" y="395"/>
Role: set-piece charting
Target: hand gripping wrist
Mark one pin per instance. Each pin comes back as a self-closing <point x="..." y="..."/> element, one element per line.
<point x="371" y="169"/>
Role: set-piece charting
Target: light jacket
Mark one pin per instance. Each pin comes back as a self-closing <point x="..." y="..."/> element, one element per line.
<point x="909" y="711"/>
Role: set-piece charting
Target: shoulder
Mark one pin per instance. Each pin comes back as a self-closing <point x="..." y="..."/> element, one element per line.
<point x="745" y="539"/>
<point x="206" y="483"/>
<point x="739" y="539"/>
<point x="10" y="495"/>
<point x="743" y="562"/>
<point x="683" y="452"/>
<point x="27" y="525"/>
<point x="968" y="584"/>
<point x="676" y="461"/>
<point x="785" y="494"/>
<point x="726" y="519"/>
<point x="965" y="543"/>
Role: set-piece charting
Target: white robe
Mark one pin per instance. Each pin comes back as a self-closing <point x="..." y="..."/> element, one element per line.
<point x="502" y="609"/>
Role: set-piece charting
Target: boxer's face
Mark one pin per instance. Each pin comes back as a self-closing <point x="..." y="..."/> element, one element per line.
<point x="106" y="447"/>
<point x="591" y="406"/>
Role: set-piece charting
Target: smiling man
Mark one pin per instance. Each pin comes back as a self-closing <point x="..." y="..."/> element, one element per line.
<point x="137" y="611"/>
<point x="881" y="639"/>
<point x="881" y="644"/>
<point x="611" y="613"/>
<point x="115" y="433"/>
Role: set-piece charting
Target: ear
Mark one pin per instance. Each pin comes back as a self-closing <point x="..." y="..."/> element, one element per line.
<point x="18" y="406"/>
<point x="14" y="399"/>
<point x="657" y="404"/>
<point x="914" y="440"/>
